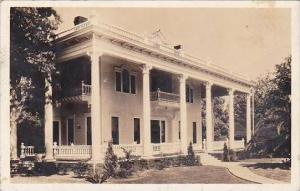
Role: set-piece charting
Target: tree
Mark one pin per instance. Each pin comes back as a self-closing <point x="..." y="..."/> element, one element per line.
<point x="220" y="118"/>
<point x="273" y="112"/>
<point x="110" y="162"/>
<point x="31" y="62"/>
<point x="240" y="101"/>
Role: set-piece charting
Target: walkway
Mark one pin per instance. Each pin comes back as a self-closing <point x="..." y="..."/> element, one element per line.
<point x="237" y="170"/>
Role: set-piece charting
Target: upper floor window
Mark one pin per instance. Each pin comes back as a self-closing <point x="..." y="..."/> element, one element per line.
<point x="189" y="94"/>
<point x="125" y="81"/>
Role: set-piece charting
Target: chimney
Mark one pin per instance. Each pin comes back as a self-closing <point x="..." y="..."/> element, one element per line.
<point x="79" y="19"/>
<point x="178" y="47"/>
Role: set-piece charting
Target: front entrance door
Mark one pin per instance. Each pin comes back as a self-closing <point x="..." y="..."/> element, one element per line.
<point x="88" y="131"/>
<point x="155" y="131"/>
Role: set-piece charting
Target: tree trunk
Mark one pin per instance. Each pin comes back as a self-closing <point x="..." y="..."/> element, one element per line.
<point x="13" y="140"/>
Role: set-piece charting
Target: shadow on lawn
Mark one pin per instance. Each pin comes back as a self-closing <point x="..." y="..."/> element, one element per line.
<point x="268" y="166"/>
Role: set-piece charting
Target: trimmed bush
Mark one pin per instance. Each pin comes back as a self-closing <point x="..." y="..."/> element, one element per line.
<point x="98" y="177"/>
<point x="110" y="162"/>
<point x="190" y="158"/>
<point x="81" y="168"/>
<point x="226" y="157"/>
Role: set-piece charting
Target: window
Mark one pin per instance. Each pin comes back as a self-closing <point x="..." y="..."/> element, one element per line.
<point x="132" y="83"/>
<point x="189" y="94"/>
<point x="158" y="131"/>
<point x="118" y="81"/>
<point x="194" y="132"/>
<point x="89" y="131"/>
<point x="56" y="132"/>
<point x="115" y="130"/>
<point x="136" y="138"/>
<point x="179" y="130"/>
<point x="70" y="123"/>
<point x="163" y="131"/>
<point x="125" y="81"/>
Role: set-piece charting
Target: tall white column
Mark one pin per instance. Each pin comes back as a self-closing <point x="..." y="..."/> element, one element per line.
<point x="48" y="120"/>
<point x="248" y="118"/>
<point x="231" y="118"/>
<point x="183" y="116"/>
<point x="96" y="105"/>
<point x="209" y="124"/>
<point x="146" y="111"/>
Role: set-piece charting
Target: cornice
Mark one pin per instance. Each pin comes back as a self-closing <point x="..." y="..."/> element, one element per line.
<point x="137" y="43"/>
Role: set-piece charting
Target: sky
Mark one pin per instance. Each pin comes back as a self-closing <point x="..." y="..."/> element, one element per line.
<point x="249" y="41"/>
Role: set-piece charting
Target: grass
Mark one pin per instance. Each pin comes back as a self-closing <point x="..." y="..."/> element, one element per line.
<point x="270" y="168"/>
<point x="183" y="175"/>
<point x="179" y="175"/>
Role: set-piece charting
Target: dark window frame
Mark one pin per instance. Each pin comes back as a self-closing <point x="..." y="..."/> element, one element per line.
<point x="137" y="132"/>
<point x="115" y="137"/>
<point x="120" y="85"/>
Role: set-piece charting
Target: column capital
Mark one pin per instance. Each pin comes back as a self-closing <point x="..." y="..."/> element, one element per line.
<point x="231" y="90"/>
<point x="146" y="68"/>
<point x="182" y="78"/>
<point x="94" y="53"/>
<point x="208" y="84"/>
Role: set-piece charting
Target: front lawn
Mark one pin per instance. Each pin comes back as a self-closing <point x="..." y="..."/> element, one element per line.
<point x="183" y="175"/>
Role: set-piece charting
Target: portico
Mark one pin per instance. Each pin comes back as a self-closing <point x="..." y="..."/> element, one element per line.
<point x="126" y="103"/>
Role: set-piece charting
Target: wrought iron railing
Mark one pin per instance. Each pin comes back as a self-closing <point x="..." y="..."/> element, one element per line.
<point x="164" y="96"/>
<point x="83" y="89"/>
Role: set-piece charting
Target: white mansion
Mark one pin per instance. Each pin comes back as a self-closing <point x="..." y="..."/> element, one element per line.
<point x="136" y="91"/>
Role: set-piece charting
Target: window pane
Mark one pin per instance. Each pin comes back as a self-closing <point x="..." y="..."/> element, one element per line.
<point x="179" y="130"/>
<point x="187" y="93"/>
<point x="191" y="96"/>
<point x="125" y="81"/>
<point x="132" y="81"/>
<point x="118" y="81"/>
<point x="89" y="131"/>
<point x="163" y="131"/>
<point x="137" y="130"/>
<point x="194" y="132"/>
<point x="115" y="130"/>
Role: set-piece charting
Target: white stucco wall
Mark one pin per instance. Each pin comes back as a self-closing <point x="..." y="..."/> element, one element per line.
<point x="128" y="106"/>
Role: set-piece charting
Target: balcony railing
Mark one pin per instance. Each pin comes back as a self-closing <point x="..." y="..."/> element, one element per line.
<point x="164" y="96"/>
<point x="82" y="90"/>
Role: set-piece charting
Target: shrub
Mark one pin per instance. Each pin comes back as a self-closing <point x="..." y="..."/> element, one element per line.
<point x="110" y="162"/>
<point x="126" y="164"/>
<point x="190" y="158"/>
<point x="81" y="169"/>
<point x="98" y="177"/>
<point x="232" y="155"/>
<point x="226" y="157"/>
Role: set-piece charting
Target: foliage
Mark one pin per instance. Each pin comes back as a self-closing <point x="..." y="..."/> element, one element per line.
<point x="110" y="162"/>
<point x="31" y="61"/>
<point x="273" y="113"/>
<point x="126" y="164"/>
<point x="240" y="101"/>
<point x="81" y="169"/>
<point x="97" y="177"/>
<point x="229" y="155"/>
<point x="190" y="158"/>
<point x="220" y="118"/>
<point x="225" y="153"/>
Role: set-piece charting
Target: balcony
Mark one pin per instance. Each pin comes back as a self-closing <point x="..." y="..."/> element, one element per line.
<point x="164" y="99"/>
<point x="77" y="94"/>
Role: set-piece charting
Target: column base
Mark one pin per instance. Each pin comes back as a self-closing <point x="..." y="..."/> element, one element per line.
<point x="50" y="159"/>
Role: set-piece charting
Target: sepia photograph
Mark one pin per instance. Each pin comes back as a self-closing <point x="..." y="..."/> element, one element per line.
<point x="148" y="94"/>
